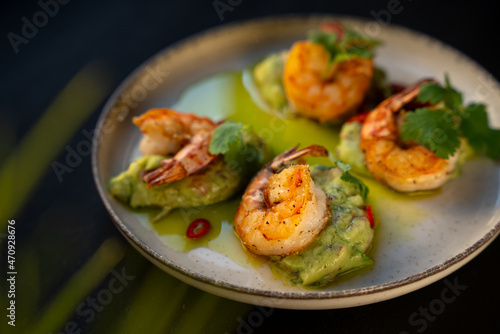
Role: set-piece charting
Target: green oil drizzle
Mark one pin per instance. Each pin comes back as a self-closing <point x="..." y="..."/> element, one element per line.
<point x="224" y="96"/>
<point x="221" y="238"/>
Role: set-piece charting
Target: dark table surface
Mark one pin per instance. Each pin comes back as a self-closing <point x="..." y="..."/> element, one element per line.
<point x="67" y="248"/>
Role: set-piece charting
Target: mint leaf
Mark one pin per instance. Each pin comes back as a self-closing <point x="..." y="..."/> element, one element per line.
<point x="432" y="128"/>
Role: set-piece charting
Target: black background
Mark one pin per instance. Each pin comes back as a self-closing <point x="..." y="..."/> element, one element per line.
<point x="122" y="35"/>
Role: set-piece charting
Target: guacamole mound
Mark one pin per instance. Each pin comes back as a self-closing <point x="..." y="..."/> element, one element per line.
<point x="350" y="152"/>
<point x="268" y="76"/>
<point x="238" y="157"/>
<point x="341" y="246"/>
<point x="348" y="149"/>
<point x="214" y="183"/>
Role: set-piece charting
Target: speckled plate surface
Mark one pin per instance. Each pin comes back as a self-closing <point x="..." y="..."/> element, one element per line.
<point x="442" y="233"/>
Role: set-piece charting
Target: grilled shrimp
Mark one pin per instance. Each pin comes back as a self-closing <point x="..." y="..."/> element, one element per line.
<point x="168" y="132"/>
<point x="320" y="91"/>
<point x="281" y="212"/>
<point x="404" y="167"/>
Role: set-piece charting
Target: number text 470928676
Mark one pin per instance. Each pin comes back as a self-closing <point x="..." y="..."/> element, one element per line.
<point x="11" y="272"/>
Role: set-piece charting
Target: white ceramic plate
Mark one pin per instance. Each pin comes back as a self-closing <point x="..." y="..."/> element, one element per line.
<point x="445" y="231"/>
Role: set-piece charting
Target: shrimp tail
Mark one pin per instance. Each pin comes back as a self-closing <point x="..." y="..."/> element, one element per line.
<point x="292" y="154"/>
<point x="404" y="168"/>
<point x="281" y="213"/>
<point x="187" y="161"/>
<point x="169" y="172"/>
<point x="397" y="101"/>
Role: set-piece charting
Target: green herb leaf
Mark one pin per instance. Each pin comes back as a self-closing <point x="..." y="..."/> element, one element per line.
<point x="348" y="177"/>
<point x="431" y="92"/>
<point x="345" y="167"/>
<point x="352" y="45"/>
<point x="226" y="136"/>
<point x="475" y="128"/>
<point x="356" y="50"/>
<point x="452" y="99"/>
<point x="242" y="148"/>
<point x="440" y="129"/>
<point x="327" y="39"/>
<point x="433" y="128"/>
<point x="356" y="44"/>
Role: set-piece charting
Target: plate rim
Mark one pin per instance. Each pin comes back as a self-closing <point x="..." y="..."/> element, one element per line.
<point x="458" y="259"/>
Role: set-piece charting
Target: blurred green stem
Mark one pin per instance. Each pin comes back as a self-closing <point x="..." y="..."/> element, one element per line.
<point x="80" y="285"/>
<point x="28" y="162"/>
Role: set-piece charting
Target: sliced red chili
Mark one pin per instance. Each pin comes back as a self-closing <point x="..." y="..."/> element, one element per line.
<point x="198" y="228"/>
<point x="369" y="215"/>
<point x="359" y="118"/>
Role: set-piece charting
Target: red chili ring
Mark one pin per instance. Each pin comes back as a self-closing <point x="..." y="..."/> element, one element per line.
<point x="369" y="215"/>
<point x="198" y="228"/>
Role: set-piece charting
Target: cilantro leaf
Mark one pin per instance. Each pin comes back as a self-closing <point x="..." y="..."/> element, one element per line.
<point x="243" y="150"/>
<point x="434" y="93"/>
<point x="356" y="44"/>
<point x="345" y="167"/>
<point x="352" y="45"/>
<point x="356" y="50"/>
<point x="431" y="92"/>
<point x="227" y="135"/>
<point x="440" y="129"/>
<point x="476" y="129"/>
<point x="327" y="39"/>
<point x="432" y="128"/>
<point x="451" y="98"/>
<point x="347" y="177"/>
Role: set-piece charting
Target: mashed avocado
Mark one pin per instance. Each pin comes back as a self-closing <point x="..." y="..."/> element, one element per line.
<point x="241" y="152"/>
<point x="348" y="149"/>
<point x="268" y="75"/>
<point x="216" y="182"/>
<point x="341" y="246"/>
